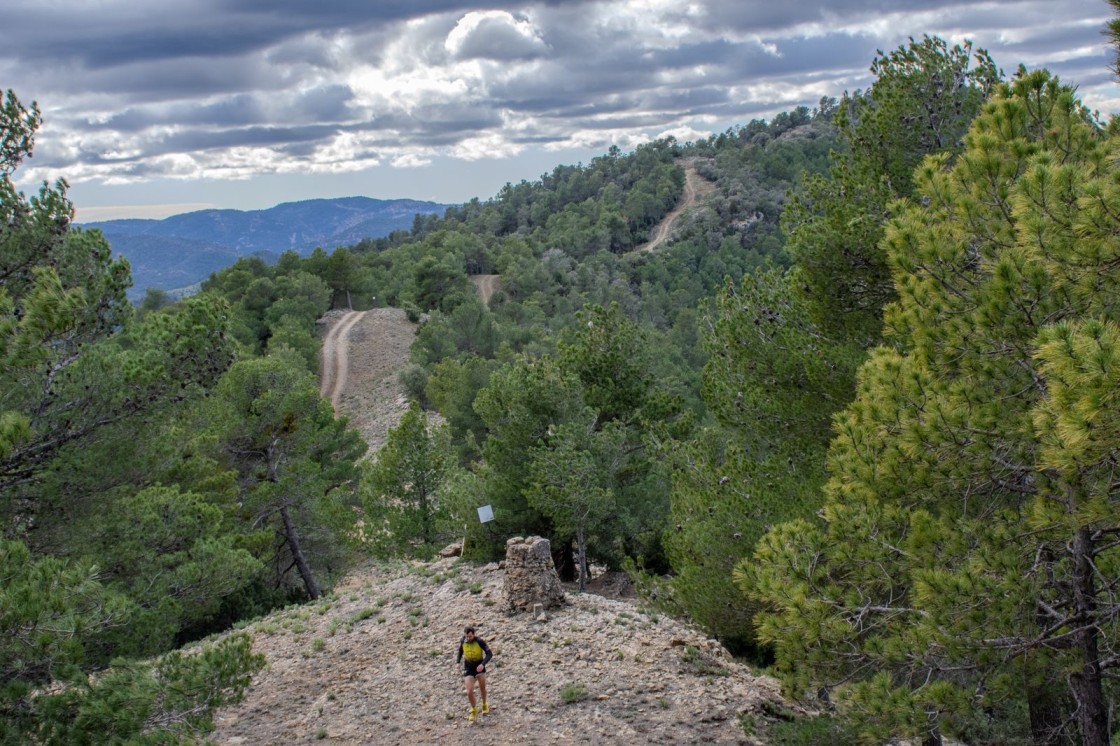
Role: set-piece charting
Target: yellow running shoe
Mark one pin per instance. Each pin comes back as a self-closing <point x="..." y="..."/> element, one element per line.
<point x="474" y="711"/>
<point x="485" y="707"/>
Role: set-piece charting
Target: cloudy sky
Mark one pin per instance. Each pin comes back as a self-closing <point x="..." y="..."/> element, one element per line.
<point x="152" y="107"/>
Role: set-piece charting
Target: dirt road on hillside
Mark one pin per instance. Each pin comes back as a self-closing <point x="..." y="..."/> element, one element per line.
<point x="334" y="358"/>
<point x="362" y="357"/>
<point x="695" y="186"/>
<point x="486" y="285"/>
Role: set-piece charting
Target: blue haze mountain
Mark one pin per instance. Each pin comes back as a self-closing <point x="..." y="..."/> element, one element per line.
<point x="183" y="249"/>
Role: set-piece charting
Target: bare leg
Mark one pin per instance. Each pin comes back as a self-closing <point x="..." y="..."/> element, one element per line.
<point x="468" y="681"/>
<point x="482" y="685"/>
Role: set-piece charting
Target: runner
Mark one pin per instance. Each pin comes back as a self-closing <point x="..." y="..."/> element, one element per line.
<point x="474" y="654"/>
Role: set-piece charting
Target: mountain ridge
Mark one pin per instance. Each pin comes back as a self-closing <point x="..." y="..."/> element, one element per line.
<point x="182" y="249"/>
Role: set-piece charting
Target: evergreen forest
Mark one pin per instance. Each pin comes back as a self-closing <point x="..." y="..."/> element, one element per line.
<point x="859" y="419"/>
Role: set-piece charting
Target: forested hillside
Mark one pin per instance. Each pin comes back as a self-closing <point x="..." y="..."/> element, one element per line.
<point x="856" y="417"/>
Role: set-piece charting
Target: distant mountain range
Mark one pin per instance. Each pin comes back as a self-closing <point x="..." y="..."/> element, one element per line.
<point x="181" y="250"/>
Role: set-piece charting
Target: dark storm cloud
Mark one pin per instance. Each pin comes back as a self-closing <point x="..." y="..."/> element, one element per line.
<point x="771" y="17"/>
<point x="131" y="90"/>
<point x="331" y="104"/>
<point x="198" y="79"/>
<point x="195" y="140"/>
<point x="433" y="124"/>
<point x="128" y="32"/>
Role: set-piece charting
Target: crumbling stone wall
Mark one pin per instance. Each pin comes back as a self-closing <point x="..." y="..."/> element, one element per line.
<point x="531" y="578"/>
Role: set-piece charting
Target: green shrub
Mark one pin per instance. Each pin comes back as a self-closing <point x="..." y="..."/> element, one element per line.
<point x="572" y="693"/>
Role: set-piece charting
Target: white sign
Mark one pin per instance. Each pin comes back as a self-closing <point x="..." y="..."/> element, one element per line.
<point x="485" y="514"/>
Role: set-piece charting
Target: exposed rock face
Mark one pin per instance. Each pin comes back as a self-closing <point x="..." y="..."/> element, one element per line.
<point x="531" y="580"/>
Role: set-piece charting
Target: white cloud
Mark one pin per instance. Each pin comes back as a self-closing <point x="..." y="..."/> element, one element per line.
<point x="684" y="133"/>
<point x="411" y="160"/>
<point x="490" y="145"/>
<point x="494" y="34"/>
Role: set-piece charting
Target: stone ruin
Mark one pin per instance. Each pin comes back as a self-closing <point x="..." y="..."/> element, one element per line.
<point x="531" y="582"/>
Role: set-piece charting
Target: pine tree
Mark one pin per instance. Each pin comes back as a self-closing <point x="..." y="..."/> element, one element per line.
<point x="403" y="485"/>
<point x="966" y="561"/>
<point x="785" y="347"/>
<point x="295" y="462"/>
<point x="573" y="480"/>
<point x="772" y="382"/>
<point x="522" y="403"/>
<point x="923" y="99"/>
<point x="56" y="619"/>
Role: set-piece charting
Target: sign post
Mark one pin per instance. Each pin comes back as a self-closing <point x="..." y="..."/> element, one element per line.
<point x="485" y="515"/>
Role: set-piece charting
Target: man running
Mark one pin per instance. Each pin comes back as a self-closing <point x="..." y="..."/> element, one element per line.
<point x="474" y="653"/>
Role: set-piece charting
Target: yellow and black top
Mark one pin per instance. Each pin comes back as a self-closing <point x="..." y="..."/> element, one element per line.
<point x="475" y="651"/>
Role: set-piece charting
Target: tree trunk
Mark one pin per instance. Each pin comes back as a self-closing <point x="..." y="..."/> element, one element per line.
<point x="425" y="514"/>
<point x="582" y="560"/>
<point x="1092" y="712"/>
<point x="1044" y="704"/>
<point x="564" y="560"/>
<point x="297" y="554"/>
<point x="1044" y="694"/>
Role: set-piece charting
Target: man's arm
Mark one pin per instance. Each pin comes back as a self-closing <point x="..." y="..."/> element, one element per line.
<point x="486" y="651"/>
<point x="459" y="654"/>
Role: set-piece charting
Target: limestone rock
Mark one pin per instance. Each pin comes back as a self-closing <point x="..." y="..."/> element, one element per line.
<point x="452" y="550"/>
<point x="531" y="577"/>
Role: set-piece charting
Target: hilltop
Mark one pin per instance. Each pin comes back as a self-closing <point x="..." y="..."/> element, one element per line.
<point x="374" y="663"/>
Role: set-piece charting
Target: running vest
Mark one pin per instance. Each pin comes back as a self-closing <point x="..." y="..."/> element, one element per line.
<point x="473" y="652"/>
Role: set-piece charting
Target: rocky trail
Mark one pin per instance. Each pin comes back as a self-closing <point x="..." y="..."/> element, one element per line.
<point x="374" y="663"/>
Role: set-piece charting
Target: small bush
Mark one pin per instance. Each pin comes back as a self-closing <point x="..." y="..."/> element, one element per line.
<point x="572" y="693"/>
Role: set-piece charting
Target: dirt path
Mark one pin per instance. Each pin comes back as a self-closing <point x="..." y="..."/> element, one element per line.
<point x="362" y="357"/>
<point x="695" y="186"/>
<point x="334" y="358"/>
<point x="486" y="285"/>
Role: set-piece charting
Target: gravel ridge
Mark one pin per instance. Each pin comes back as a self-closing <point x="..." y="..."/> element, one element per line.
<point x="374" y="663"/>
